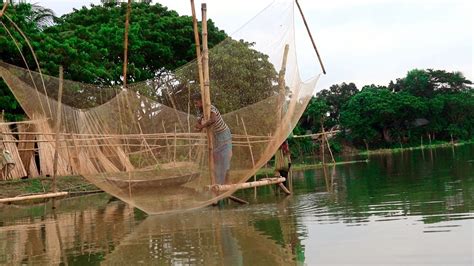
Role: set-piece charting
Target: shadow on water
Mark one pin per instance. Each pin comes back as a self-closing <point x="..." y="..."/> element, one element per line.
<point x="405" y="208"/>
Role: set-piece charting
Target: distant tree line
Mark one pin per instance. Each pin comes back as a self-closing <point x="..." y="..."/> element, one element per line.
<point x="429" y="104"/>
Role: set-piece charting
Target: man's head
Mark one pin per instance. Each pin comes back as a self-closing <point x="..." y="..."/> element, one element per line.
<point x="197" y="99"/>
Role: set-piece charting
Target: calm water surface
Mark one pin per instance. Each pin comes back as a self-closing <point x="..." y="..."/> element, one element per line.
<point x="409" y="208"/>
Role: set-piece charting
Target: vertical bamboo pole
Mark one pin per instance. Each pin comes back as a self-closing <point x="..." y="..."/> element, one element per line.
<point x="76" y="150"/>
<point x="168" y="152"/>
<point x="322" y="142"/>
<point x="198" y="49"/>
<point x="207" y="95"/>
<point x="281" y="83"/>
<point x="251" y="153"/>
<point x="175" y="143"/>
<point x="198" y="53"/>
<point x="125" y="43"/>
<point x="329" y="147"/>
<point x="57" y="129"/>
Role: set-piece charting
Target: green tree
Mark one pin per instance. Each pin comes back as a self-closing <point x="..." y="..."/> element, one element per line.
<point x="239" y="75"/>
<point x="377" y="115"/>
<point x="89" y="43"/>
<point x="30" y="18"/>
<point x="452" y="114"/>
<point x="335" y="97"/>
<point x="426" y="83"/>
<point x="315" y="114"/>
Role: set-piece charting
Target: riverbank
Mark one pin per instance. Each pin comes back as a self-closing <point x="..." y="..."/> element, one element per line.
<point x="303" y="167"/>
<point x="39" y="185"/>
<point x="77" y="185"/>
<point x="401" y="149"/>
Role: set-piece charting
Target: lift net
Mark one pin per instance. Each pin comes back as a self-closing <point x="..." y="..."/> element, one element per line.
<point x="139" y="143"/>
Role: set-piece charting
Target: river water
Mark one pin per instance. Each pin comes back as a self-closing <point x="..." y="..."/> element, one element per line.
<point x="407" y="208"/>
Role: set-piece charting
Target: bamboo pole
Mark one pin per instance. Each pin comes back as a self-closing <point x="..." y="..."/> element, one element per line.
<point x="238" y="200"/>
<point x="40" y="196"/>
<point x="125" y="43"/>
<point x="57" y="129"/>
<point x="311" y="36"/>
<point x="174" y="144"/>
<point x="251" y="153"/>
<point x="76" y="150"/>
<point x="322" y="142"/>
<point x="166" y="140"/>
<point x="284" y="188"/>
<point x="198" y="49"/>
<point x="315" y="135"/>
<point x="329" y="148"/>
<point x="281" y="82"/>
<point x="207" y="99"/>
<point x="5" y="5"/>
<point x="262" y="182"/>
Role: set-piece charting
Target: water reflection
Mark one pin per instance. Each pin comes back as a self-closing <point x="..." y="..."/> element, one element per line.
<point x="78" y="230"/>
<point x="207" y="237"/>
<point x="409" y="208"/>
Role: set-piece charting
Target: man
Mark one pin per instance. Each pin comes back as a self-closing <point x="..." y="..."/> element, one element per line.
<point x="222" y="139"/>
<point x="283" y="160"/>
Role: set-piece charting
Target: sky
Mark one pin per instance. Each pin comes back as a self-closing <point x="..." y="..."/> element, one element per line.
<point x="360" y="41"/>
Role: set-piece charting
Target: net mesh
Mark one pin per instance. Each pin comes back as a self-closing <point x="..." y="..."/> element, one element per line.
<point x="138" y="143"/>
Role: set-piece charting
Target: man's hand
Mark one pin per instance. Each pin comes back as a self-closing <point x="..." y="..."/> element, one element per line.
<point x="198" y="127"/>
<point x="200" y="124"/>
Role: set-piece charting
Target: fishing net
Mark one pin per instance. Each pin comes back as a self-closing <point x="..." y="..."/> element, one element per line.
<point x="139" y="144"/>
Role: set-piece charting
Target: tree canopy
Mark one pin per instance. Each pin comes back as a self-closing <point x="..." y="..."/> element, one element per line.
<point x="425" y="103"/>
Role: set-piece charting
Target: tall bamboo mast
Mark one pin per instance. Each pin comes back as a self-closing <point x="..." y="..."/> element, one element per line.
<point x="207" y="94"/>
<point x="198" y="50"/>
<point x="125" y="43"/>
<point x="311" y="37"/>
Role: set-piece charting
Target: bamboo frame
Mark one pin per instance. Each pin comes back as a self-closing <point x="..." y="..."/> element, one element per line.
<point x="184" y="135"/>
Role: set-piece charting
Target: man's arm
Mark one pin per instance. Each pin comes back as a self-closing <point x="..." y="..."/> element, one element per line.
<point x="208" y="123"/>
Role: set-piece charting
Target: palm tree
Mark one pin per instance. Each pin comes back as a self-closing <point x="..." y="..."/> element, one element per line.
<point x="43" y="17"/>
